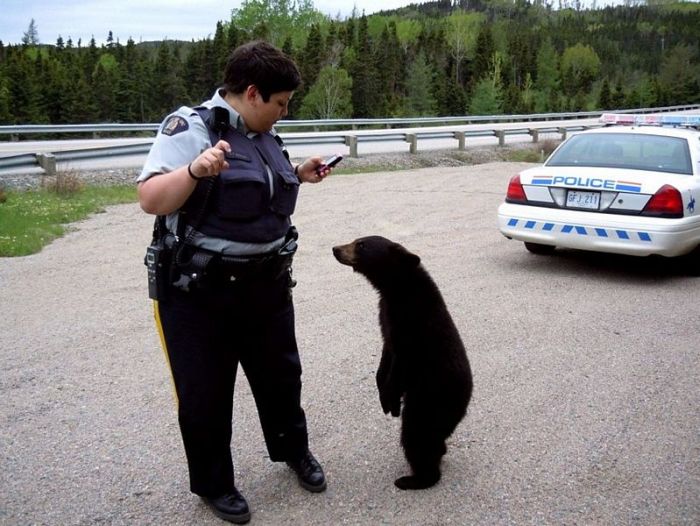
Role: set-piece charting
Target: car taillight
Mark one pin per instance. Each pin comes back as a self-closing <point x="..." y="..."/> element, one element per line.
<point x="516" y="192"/>
<point x="666" y="202"/>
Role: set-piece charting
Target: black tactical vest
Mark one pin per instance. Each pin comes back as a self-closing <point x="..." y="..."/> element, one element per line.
<point x="239" y="204"/>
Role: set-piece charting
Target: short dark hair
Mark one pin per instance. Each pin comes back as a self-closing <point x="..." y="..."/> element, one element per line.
<point x="262" y="64"/>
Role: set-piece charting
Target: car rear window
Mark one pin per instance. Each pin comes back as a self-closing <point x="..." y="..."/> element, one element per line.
<point x="625" y="150"/>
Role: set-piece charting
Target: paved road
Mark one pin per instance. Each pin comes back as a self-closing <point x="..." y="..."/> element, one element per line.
<point x="296" y="151"/>
<point x="585" y="410"/>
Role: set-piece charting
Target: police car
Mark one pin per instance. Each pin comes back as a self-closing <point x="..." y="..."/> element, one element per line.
<point x="629" y="187"/>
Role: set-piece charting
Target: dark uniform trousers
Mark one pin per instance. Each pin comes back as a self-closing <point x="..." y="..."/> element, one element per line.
<point x="206" y="334"/>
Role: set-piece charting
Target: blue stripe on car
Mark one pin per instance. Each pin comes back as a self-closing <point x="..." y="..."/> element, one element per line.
<point x="628" y="188"/>
<point x="626" y="235"/>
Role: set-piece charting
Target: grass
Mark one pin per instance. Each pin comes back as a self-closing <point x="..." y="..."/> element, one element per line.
<point x="31" y="219"/>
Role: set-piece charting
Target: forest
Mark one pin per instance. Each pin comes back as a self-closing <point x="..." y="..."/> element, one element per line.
<point x="437" y="58"/>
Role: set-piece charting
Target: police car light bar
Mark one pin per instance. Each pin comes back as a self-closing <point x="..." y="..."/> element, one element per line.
<point x="650" y="120"/>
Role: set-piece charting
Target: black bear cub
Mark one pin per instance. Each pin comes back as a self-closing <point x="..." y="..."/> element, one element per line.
<point x="423" y="360"/>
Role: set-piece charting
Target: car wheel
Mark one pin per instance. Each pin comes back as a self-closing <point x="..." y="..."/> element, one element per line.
<point x="691" y="262"/>
<point x="536" y="248"/>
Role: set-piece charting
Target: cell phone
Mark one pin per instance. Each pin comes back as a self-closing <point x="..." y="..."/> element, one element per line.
<point x="330" y="163"/>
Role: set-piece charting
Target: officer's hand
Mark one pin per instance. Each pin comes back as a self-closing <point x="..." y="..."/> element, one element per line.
<point x="211" y="161"/>
<point x="307" y="170"/>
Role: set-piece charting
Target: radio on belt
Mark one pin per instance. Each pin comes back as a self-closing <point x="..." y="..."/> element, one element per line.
<point x="157" y="264"/>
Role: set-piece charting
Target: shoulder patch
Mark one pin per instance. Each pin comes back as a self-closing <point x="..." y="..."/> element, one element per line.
<point x="175" y="125"/>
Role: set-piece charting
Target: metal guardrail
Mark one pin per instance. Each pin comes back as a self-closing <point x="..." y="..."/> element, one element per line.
<point x="351" y="139"/>
<point x="48" y="161"/>
<point x="96" y="129"/>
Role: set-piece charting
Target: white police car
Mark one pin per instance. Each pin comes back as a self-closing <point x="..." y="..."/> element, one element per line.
<point x="630" y="187"/>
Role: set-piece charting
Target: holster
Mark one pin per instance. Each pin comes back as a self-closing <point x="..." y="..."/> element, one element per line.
<point x="198" y="268"/>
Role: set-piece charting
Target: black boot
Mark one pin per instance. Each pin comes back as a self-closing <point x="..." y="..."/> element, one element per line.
<point x="231" y="507"/>
<point x="310" y="472"/>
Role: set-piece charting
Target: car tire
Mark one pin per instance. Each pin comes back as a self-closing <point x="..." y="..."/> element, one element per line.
<point x="539" y="249"/>
<point x="691" y="262"/>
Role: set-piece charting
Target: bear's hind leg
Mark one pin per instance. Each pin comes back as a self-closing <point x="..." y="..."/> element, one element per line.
<point x="424" y="450"/>
<point x="422" y="481"/>
<point x="425" y="465"/>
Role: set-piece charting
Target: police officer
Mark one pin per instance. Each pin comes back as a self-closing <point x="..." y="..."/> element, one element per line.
<point x="221" y="179"/>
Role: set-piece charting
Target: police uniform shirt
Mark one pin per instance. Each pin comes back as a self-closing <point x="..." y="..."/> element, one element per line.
<point x="181" y="138"/>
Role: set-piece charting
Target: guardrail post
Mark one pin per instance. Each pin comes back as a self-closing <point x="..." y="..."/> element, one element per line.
<point x="535" y="134"/>
<point x="48" y="162"/>
<point x="412" y="139"/>
<point x="501" y="134"/>
<point x="563" y="133"/>
<point x="14" y="138"/>
<point x="461" y="141"/>
<point x="351" y="142"/>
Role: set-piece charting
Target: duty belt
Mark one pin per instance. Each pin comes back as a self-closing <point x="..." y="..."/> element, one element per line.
<point x="203" y="268"/>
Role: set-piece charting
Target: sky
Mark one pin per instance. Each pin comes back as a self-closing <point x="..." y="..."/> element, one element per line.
<point x="142" y="20"/>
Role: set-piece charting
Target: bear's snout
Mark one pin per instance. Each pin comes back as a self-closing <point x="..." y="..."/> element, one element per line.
<point x="345" y="254"/>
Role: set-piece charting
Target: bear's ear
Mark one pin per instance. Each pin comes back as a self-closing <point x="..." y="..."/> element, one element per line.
<point x="413" y="259"/>
<point x="405" y="257"/>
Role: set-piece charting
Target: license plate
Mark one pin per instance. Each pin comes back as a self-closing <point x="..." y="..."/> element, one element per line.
<point x="575" y="199"/>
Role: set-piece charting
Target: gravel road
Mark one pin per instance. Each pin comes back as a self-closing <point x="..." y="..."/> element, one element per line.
<point x="585" y="409"/>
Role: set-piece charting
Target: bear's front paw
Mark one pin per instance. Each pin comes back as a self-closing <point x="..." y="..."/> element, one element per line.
<point x="396" y="408"/>
<point x="386" y="403"/>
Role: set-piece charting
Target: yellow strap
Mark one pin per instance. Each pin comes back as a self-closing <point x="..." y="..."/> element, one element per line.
<point x="159" y="326"/>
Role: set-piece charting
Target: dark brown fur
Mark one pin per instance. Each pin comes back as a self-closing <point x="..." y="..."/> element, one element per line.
<point x="423" y="362"/>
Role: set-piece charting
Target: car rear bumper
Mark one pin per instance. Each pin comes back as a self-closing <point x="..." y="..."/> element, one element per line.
<point x="620" y="234"/>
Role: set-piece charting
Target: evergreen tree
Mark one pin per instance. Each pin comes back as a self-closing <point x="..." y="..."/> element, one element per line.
<point x="6" y="115"/>
<point x="617" y="99"/>
<point x="678" y="72"/>
<point x="220" y="49"/>
<point x="90" y="58"/>
<point x="449" y="94"/>
<point x="512" y="101"/>
<point x="24" y="90"/>
<point x="604" y="99"/>
<point x="363" y="74"/>
<point x="420" y="101"/>
<point x="390" y="71"/>
<point x="312" y="58"/>
<point x="483" y="55"/>
<point x="234" y="37"/>
<point x="168" y="90"/>
<point x="105" y="81"/>
<point x="126" y="95"/>
<point x="487" y="98"/>
<point x="31" y="36"/>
